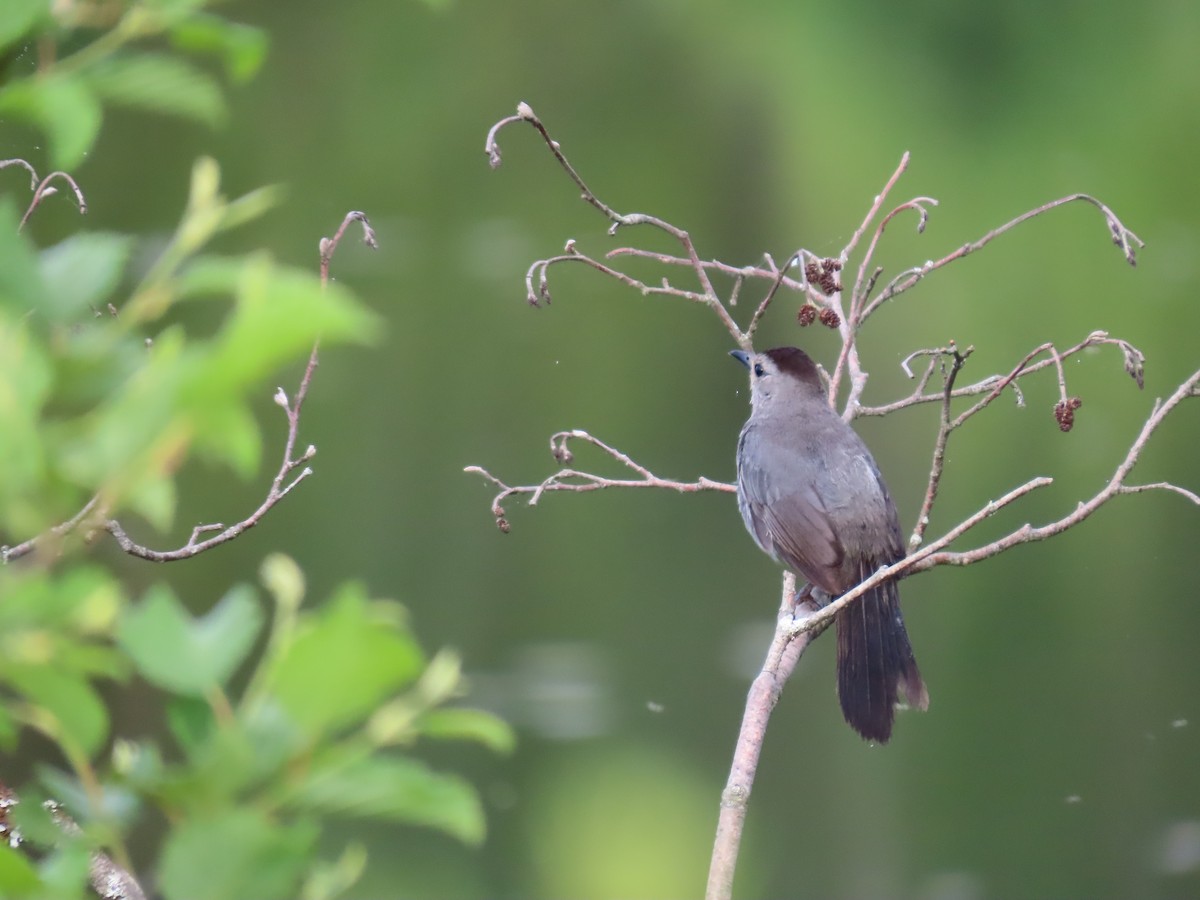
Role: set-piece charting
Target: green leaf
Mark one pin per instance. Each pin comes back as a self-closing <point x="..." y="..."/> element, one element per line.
<point x="238" y="853"/>
<point x="459" y="724"/>
<point x="153" y="497"/>
<point x="209" y="275"/>
<point x="230" y="434"/>
<point x="109" y="802"/>
<point x="21" y="287"/>
<point x="81" y="273"/>
<point x="190" y="655"/>
<point x="191" y="722"/>
<point x="225" y="762"/>
<point x="18" y="877"/>
<point x="279" y="312"/>
<point x="158" y="83"/>
<point x="25" y="379"/>
<point x="241" y="48"/>
<point x="64" y="872"/>
<point x="18" y="17"/>
<point x="64" y="705"/>
<point x="328" y="880"/>
<point x="62" y="107"/>
<point x="342" y="662"/>
<point x="81" y="600"/>
<point x="8" y="734"/>
<point x="137" y="434"/>
<point x="396" y="789"/>
<point x="284" y="579"/>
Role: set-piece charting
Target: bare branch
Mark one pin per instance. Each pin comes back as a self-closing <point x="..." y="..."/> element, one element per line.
<point x="328" y="246"/>
<point x="33" y="175"/>
<point x="863" y="283"/>
<point x="935" y="554"/>
<point x="1125" y="239"/>
<point x="45" y="189"/>
<point x="1115" y="487"/>
<point x="945" y="426"/>
<point x="576" y="481"/>
<point x="876" y="205"/>
<point x="994" y="385"/>
<point x="697" y="266"/>
<point x="782" y="656"/>
<point x="541" y="294"/>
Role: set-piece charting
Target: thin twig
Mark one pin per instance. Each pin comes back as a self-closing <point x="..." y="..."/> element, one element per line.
<point x="576" y="481"/>
<point x="994" y="385"/>
<point x="45" y="189"/>
<point x="526" y="114"/>
<point x="945" y="426"/>
<point x="1128" y="242"/>
<point x="33" y="175"/>
<point x="859" y="296"/>
<point x="876" y="205"/>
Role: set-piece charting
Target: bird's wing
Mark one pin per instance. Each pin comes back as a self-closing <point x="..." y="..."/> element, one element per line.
<point x="789" y="521"/>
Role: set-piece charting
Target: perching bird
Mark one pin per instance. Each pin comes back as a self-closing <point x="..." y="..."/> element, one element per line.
<point x="813" y="499"/>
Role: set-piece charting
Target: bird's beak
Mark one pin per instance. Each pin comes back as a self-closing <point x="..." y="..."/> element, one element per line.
<point x="741" y="356"/>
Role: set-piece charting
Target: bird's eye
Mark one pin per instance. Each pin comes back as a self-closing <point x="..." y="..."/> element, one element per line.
<point x="759" y="371"/>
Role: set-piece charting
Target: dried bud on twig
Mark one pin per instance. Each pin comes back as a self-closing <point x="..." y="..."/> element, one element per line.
<point x="1064" y="412"/>
<point x="830" y="319"/>
<point x="807" y="315"/>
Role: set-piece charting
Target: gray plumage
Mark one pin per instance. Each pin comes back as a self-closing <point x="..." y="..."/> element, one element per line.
<point x="814" y="500"/>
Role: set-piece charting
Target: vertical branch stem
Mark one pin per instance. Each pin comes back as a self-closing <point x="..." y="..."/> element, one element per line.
<point x="945" y="426"/>
<point x="785" y="650"/>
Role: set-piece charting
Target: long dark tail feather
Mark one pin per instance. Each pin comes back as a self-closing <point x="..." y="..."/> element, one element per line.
<point x="875" y="663"/>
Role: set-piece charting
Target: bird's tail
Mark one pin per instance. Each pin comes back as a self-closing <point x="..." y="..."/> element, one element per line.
<point x="875" y="662"/>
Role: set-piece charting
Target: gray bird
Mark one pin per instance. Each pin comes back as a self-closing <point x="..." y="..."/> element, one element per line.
<point x="813" y="499"/>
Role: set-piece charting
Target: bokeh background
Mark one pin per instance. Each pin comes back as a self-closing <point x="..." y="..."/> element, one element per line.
<point x="618" y="631"/>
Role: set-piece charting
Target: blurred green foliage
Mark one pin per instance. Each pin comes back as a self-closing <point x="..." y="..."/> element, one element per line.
<point x="114" y="375"/>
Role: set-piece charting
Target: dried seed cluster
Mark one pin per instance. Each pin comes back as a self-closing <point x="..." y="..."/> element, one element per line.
<point x="823" y="273"/>
<point x="1064" y="412"/>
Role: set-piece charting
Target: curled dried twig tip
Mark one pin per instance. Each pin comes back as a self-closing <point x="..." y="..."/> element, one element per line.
<point x="33" y="175"/>
<point x="368" y="233"/>
<point x="558" y="449"/>
<point x="491" y="146"/>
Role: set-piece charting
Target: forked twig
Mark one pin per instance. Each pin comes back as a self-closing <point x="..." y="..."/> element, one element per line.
<point x="576" y="481"/>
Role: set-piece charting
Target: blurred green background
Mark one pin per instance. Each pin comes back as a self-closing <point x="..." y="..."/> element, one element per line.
<point x="618" y="631"/>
